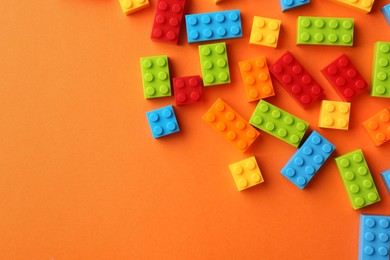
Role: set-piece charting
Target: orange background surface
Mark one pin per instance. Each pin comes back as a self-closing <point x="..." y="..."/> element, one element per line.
<point x="82" y="178"/>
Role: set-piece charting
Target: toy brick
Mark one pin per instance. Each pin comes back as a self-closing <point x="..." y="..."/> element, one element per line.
<point x="131" y="6"/>
<point x="386" y="179"/>
<point x="357" y="179"/>
<point x="344" y="78"/>
<point x="378" y="127"/>
<point x="305" y="163"/>
<point x="256" y="79"/>
<point x="162" y="121"/>
<point x="155" y="76"/>
<point x="381" y="70"/>
<point x="290" y="4"/>
<point x="279" y="123"/>
<point x="214" y="64"/>
<point x="362" y="5"/>
<point x="296" y="80"/>
<point x="167" y="21"/>
<point x="335" y="115"/>
<point x="246" y="173"/>
<point x="265" y="31"/>
<point x="187" y="90"/>
<point x="213" y="26"/>
<point x="386" y="12"/>
<point x="374" y="233"/>
<point x="325" y="31"/>
<point x="230" y="125"/>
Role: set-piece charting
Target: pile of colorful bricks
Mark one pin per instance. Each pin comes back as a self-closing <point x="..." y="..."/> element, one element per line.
<point x="312" y="153"/>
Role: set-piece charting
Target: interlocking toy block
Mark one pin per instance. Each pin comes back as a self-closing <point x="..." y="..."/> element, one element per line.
<point x="187" y="90"/>
<point x="357" y="179"/>
<point x="381" y="70"/>
<point x="335" y="115"/>
<point x="279" y="123"/>
<point x="325" y="31"/>
<point x="131" y="6"/>
<point x="246" y="173"/>
<point x="374" y="236"/>
<point x="344" y="78"/>
<point x="213" y="26"/>
<point x="386" y="179"/>
<point x="167" y="21"/>
<point x="386" y="12"/>
<point x="296" y="80"/>
<point x="162" y="121"/>
<point x="214" y="64"/>
<point x="265" y="31"/>
<point x="155" y="76"/>
<point x="289" y="4"/>
<point x="378" y="127"/>
<point x="256" y="78"/>
<point x="362" y="5"/>
<point x="305" y="163"/>
<point x="230" y="125"/>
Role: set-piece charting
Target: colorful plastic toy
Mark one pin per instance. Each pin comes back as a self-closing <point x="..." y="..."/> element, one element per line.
<point x="381" y="70"/>
<point x="230" y="125"/>
<point x="378" y="127"/>
<point x="357" y="179"/>
<point x="265" y="31"/>
<point x="162" y="121"/>
<point x="386" y="179"/>
<point x="374" y="236"/>
<point x="289" y="4"/>
<point x="386" y="12"/>
<point x="246" y="173"/>
<point x="296" y="80"/>
<point x="335" y="115"/>
<point x="325" y="31"/>
<point x="256" y="78"/>
<point x="155" y="76"/>
<point x="187" y="90"/>
<point x="362" y="5"/>
<point x="167" y="20"/>
<point x="131" y="6"/>
<point x="213" y="26"/>
<point x="310" y="157"/>
<point x="279" y="123"/>
<point x="214" y="63"/>
<point x="344" y="78"/>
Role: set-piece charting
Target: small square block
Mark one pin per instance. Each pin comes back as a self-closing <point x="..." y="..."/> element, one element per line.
<point x="290" y="4"/>
<point x="187" y="90"/>
<point x="155" y="77"/>
<point x="386" y="12"/>
<point x="334" y="115"/>
<point x="381" y="70"/>
<point x="162" y="121"/>
<point x="378" y="127"/>
<point x="256" y="78"/>
<point x="246" y="173"/>
<point x="362" y="5"/>
<point x="131" y="6"/>
<point x="386" y="179"/>
<point x="265" y="31"/>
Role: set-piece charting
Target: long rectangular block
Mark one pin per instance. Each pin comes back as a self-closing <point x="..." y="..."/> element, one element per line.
<point x="378" y="127"/>
<point x="386" y="179"/>
<point x="155" y="77"/>
<point x="380" y="86"/>
<point x="362" y="5"/>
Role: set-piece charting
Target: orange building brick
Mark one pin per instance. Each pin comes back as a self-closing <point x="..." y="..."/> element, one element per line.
<point x="378" y="127"/>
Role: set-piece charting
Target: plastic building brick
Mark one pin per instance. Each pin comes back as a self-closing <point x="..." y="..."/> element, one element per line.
<point x="213" y="26"/>
<point x="187" y="90"/>
<point x="374" y="236"/>
<point x="279" y="123"/>
<point x="344" y="78"/>
<point x="256" y="78"/>
<point x="381" y="70"/>
<point x="155" y="76"/>
<point x="357" y="179"/>
<point x="386" y="179"/>
<point x="167" y="20"/>
<point x="335" y="115"/>
<point x="296" y="80"/>
<point x="265" y="31"/>
<point x="246" y="173"/>
<point x="305" y="163"/>
<point x="214" y="63"/>
<point x="131" y="6"/>
<point x="386" y="12"/>
<point x="325" y="31"/>
<point x="289" y="4"/>
<point x="362" y="5"/>
<point x="230" y="125"/>
<point x="162" y="121"/>
<point x="378" y="127"/>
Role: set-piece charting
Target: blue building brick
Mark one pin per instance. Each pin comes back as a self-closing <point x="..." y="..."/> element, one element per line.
<point x="386" y="179"/>
<point x="213" y="26"/>
<point x="289" y="4"/>
<point x="386" y="12"/>
<point x="304" y="164"/>
<point x="162" y="121"/>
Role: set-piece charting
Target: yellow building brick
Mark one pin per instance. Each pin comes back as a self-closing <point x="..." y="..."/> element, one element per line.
<point x="335" y="115"/>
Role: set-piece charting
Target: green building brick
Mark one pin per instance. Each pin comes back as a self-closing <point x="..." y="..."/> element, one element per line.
<point x="155" y="77"/>
<point x="381" y="70"/>
<point x="357" y="179"/>
<point x="214" y="63"/>
<point x="325" y="31"/>
<point x="279" y="123"/>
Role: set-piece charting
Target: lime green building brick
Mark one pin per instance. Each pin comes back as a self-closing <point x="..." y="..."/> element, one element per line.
<point x="381" y="70"/>
<point x="155" y="77"/>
